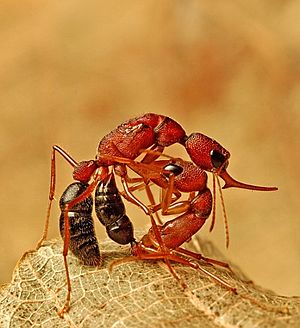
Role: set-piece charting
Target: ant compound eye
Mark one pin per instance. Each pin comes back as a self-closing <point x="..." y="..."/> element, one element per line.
<point x="173" y="168"/>
<point x="217" y="158"/>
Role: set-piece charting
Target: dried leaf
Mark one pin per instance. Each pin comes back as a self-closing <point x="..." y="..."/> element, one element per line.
<point x="135" y="294"/>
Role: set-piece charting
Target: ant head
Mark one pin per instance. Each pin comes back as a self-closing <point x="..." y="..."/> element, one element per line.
<point x="209" y="155"/>
<point x="188" y="176"/>
<point x="206" y="153"/>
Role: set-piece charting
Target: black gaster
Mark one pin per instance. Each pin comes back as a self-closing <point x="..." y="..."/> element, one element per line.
<point x="110" y="210"/>
<point x="83" y="241"/>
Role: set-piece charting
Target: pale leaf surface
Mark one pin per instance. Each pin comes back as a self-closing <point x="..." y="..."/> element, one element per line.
<point x="135" y="294"/>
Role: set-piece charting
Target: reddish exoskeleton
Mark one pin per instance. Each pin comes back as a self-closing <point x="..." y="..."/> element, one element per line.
<point x="119" y="150"/>
<point x="178" y="176"/>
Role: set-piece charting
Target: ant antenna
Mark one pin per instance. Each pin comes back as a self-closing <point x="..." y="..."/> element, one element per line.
<point x="231" y="182"/>
<point x="214" y="205"/>
<point x="224" y="210"/>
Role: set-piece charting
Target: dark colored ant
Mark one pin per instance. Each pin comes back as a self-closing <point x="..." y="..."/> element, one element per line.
<point x="122" y="146"/>
<point x="110" y="211"/>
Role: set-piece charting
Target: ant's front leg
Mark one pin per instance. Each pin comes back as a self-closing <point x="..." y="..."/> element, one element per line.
<point x="73" y="163"/>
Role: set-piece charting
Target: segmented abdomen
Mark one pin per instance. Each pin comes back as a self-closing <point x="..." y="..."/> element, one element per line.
<point x="110" y="211"/>
<point x="83" y="242"/>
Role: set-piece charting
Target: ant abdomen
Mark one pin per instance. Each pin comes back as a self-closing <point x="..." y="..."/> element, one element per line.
<point x="110" y="211"/>
<point x="83" y="242"/>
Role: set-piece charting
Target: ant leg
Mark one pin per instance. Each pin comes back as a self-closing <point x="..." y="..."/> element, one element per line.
<point x="145" y="253"/>
<point x="73" y="163"/>
<point x="140" y="182"/>
<point x="150" y="196"/>
<point x="178" y="259"/>
<point x="149" y="213"/>
<point x="122" y="172"/>
<point x="66" y="305"/>
<point x="196" y="266"/>
<point x="152" y="203"/>
<point x="200" y="257"/>
<point x="152" y="154"/>
<point x="130" y="197"/>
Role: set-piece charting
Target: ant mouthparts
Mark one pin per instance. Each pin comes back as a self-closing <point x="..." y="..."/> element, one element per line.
<point x="231" y="182"/>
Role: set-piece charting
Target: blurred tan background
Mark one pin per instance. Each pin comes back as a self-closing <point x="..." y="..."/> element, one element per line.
<point x="71" y="71"/>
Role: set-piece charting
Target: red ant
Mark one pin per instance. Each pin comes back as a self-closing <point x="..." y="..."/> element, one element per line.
<point x="181" y="176"/>
<point x="119" y="149"/>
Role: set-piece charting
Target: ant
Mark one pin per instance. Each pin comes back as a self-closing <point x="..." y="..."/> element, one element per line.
<point x="179" y="176"/>
<point x="121" y="147"/>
